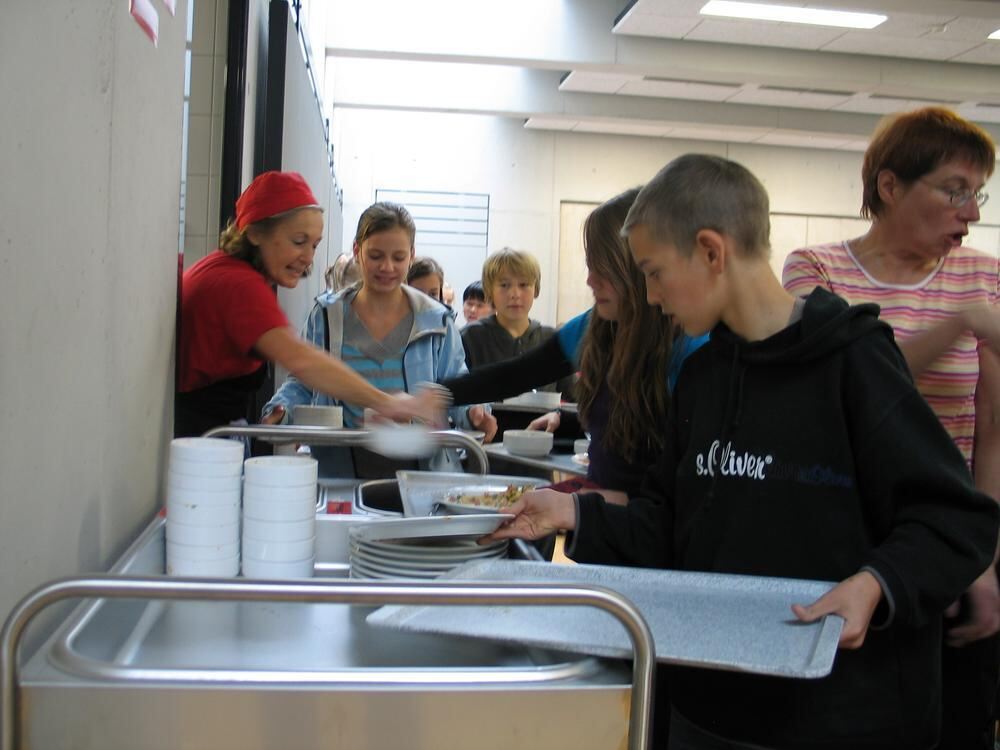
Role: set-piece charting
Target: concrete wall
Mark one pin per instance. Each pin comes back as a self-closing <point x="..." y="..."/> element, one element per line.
<point x="89" y="223"/>
<point x="815" y="194"/>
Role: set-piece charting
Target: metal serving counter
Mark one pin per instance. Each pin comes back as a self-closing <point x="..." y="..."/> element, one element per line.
<point x="254" y="664"/>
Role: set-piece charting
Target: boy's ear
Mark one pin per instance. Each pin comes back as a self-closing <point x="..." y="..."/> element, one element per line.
<point x="711" y="246"/>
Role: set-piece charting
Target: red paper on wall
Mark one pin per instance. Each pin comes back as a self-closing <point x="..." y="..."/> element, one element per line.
<point x="146" y="16"/>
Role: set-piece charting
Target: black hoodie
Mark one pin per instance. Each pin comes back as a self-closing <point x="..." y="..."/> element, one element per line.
<point x="811" y="455"/>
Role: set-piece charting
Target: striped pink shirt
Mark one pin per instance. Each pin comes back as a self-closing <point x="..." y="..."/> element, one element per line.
<point x="963" y="278"/>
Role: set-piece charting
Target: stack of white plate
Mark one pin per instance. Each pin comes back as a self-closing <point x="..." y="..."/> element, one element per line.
<point x="421" y="548"/>
<point x="416" y="558"/>
<point x="279" y="517"/>
<point x="203" y="507"/>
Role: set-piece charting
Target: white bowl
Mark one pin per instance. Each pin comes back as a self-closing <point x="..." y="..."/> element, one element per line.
<point x="527" y="442"/>
<point x="204" y="515"/>
<point x="180" y="467"/>
<point x="294" y="510"/>
<point x="232" y="483"/>
<point x="226" y="568"/>
<point x="281" y="471"/>
<point x="202" y="551"/>
<point x="258" y="549"/>
<point x="279" y="531"/>
<point x="322" y="416"/>
<point x="265" y="494"/>
<point x="401" y="440"/>
<point x="201" y="497"/>
<point x="292" y="569"/>
<point x="188" y="533"/>
<point x="211" y="450"/>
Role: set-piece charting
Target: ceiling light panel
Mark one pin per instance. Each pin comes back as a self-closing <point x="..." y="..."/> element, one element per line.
<point x="793" y="14"/>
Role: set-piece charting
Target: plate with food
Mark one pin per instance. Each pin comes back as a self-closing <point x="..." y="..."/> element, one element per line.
<point x="487" y="498"/>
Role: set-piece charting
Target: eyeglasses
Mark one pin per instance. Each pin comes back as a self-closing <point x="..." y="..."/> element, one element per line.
<point x="960" y="197"/>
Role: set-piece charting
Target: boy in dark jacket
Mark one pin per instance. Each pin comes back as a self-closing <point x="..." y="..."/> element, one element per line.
<point x="797" y="447"/>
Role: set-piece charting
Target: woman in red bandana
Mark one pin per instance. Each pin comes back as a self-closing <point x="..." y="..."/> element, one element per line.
<point x="231" y="324"/>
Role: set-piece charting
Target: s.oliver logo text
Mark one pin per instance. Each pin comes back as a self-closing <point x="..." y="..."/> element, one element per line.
<point x="722" y="459"/>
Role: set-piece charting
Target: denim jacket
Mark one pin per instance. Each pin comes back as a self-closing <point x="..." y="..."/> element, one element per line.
<point x="432" y="353"/>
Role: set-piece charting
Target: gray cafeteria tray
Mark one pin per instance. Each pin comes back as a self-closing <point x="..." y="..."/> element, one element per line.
<point x="738" y="623"/>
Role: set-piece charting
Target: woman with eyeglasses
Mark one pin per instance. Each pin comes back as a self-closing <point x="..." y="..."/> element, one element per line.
<point x="923" y="176"/>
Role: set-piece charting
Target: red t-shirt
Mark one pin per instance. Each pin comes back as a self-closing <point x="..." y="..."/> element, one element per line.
<point x="226" y="306"/>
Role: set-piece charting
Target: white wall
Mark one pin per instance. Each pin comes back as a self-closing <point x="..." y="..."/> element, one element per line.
<point x="815" y="195"/>
<point x="207" y="109"/>
<point x="89" y="224"/>
<point x="304" y="150"/>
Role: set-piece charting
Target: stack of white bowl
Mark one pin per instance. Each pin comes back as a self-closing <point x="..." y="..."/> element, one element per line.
<point x="203" y="507"/>
<point x="279" y="517"/>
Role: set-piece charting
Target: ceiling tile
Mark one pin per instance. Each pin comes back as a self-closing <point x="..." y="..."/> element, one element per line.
<point x="669" y="7"/>
<point x="980" y="113"/>
<point x="966" y="29"/>
<point x="802" y="140"/>
<point x="726" y="135"/>
<point x="780" y="97"/>
<point x="549" y="123"/>
<point x="987" y="53"/>
<point x="666" y="27"/>
<point x="913" y="25"/>
<point x="763" y="33"/>
<point x="883" y="105"/>
<point x="622" y="127"/>
<point x="597" y="83"/>
<point x="679" y="90"/>
<point x="867" y="43"/>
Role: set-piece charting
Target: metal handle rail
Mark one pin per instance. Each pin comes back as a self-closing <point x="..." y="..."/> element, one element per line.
<point x="313" y="435"/>
<point x="458" y="593"/>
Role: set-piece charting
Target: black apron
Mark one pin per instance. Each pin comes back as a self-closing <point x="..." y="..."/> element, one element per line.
<point x="216" y="405"/>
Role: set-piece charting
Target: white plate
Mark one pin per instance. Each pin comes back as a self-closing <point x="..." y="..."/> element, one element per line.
<point x="420" y="491"/>
<point x="419" y="563"/>
<point x="443" y="554"/>
<point x="431" y="527"/>
<point x="374" y="571"/>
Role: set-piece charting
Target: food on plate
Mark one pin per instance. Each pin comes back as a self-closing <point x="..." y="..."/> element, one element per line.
<point x="487" y="497"/>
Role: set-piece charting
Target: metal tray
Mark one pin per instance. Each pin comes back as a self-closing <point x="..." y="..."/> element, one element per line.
<point x="421" y="491"/>
<point x="738" y="623"/>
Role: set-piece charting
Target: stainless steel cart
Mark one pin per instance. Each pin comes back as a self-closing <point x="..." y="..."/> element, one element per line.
<point x="152" y="662"/>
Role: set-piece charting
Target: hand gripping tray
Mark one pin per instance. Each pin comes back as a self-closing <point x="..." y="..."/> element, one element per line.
<point x="739" y="623"/>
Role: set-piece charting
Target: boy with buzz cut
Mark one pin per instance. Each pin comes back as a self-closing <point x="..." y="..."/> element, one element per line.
<point x="797" y="447"/>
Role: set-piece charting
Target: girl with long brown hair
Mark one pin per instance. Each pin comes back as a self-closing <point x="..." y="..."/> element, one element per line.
<point x="625" y="351"/>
